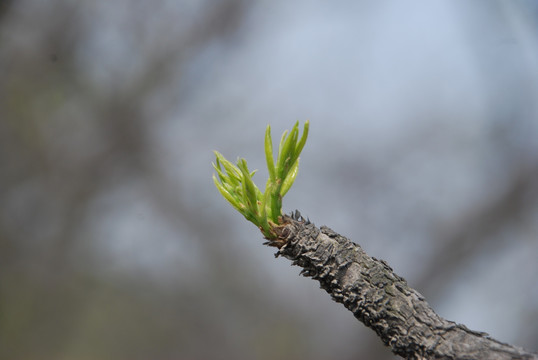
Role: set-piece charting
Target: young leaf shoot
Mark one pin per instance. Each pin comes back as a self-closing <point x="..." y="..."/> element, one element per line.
<point x="235" y="181"/>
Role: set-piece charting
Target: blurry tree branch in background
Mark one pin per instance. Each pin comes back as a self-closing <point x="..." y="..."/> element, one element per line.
<point x="477" y="228"/>
<point x="4" y="7"/>
<point x="65" y="140"/>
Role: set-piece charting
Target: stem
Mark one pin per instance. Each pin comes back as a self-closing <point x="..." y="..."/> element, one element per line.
<point x="382" y="300"/>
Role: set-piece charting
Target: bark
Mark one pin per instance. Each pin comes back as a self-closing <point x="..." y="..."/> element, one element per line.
<point x="382" y="300"/>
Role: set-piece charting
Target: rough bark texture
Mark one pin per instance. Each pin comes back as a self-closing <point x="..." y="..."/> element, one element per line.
<point x="382" y="300"/>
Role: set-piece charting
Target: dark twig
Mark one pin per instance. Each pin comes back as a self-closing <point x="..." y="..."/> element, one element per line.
<point x="382" y="300"/>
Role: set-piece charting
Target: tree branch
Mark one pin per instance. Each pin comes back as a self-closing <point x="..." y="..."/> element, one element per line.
<point x="382" y="300"/>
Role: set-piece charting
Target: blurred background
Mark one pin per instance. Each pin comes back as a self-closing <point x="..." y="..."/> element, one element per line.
<point x="114" y="243"/>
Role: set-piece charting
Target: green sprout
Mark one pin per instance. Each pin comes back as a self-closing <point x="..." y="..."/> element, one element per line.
<point x="235" y="181"/>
